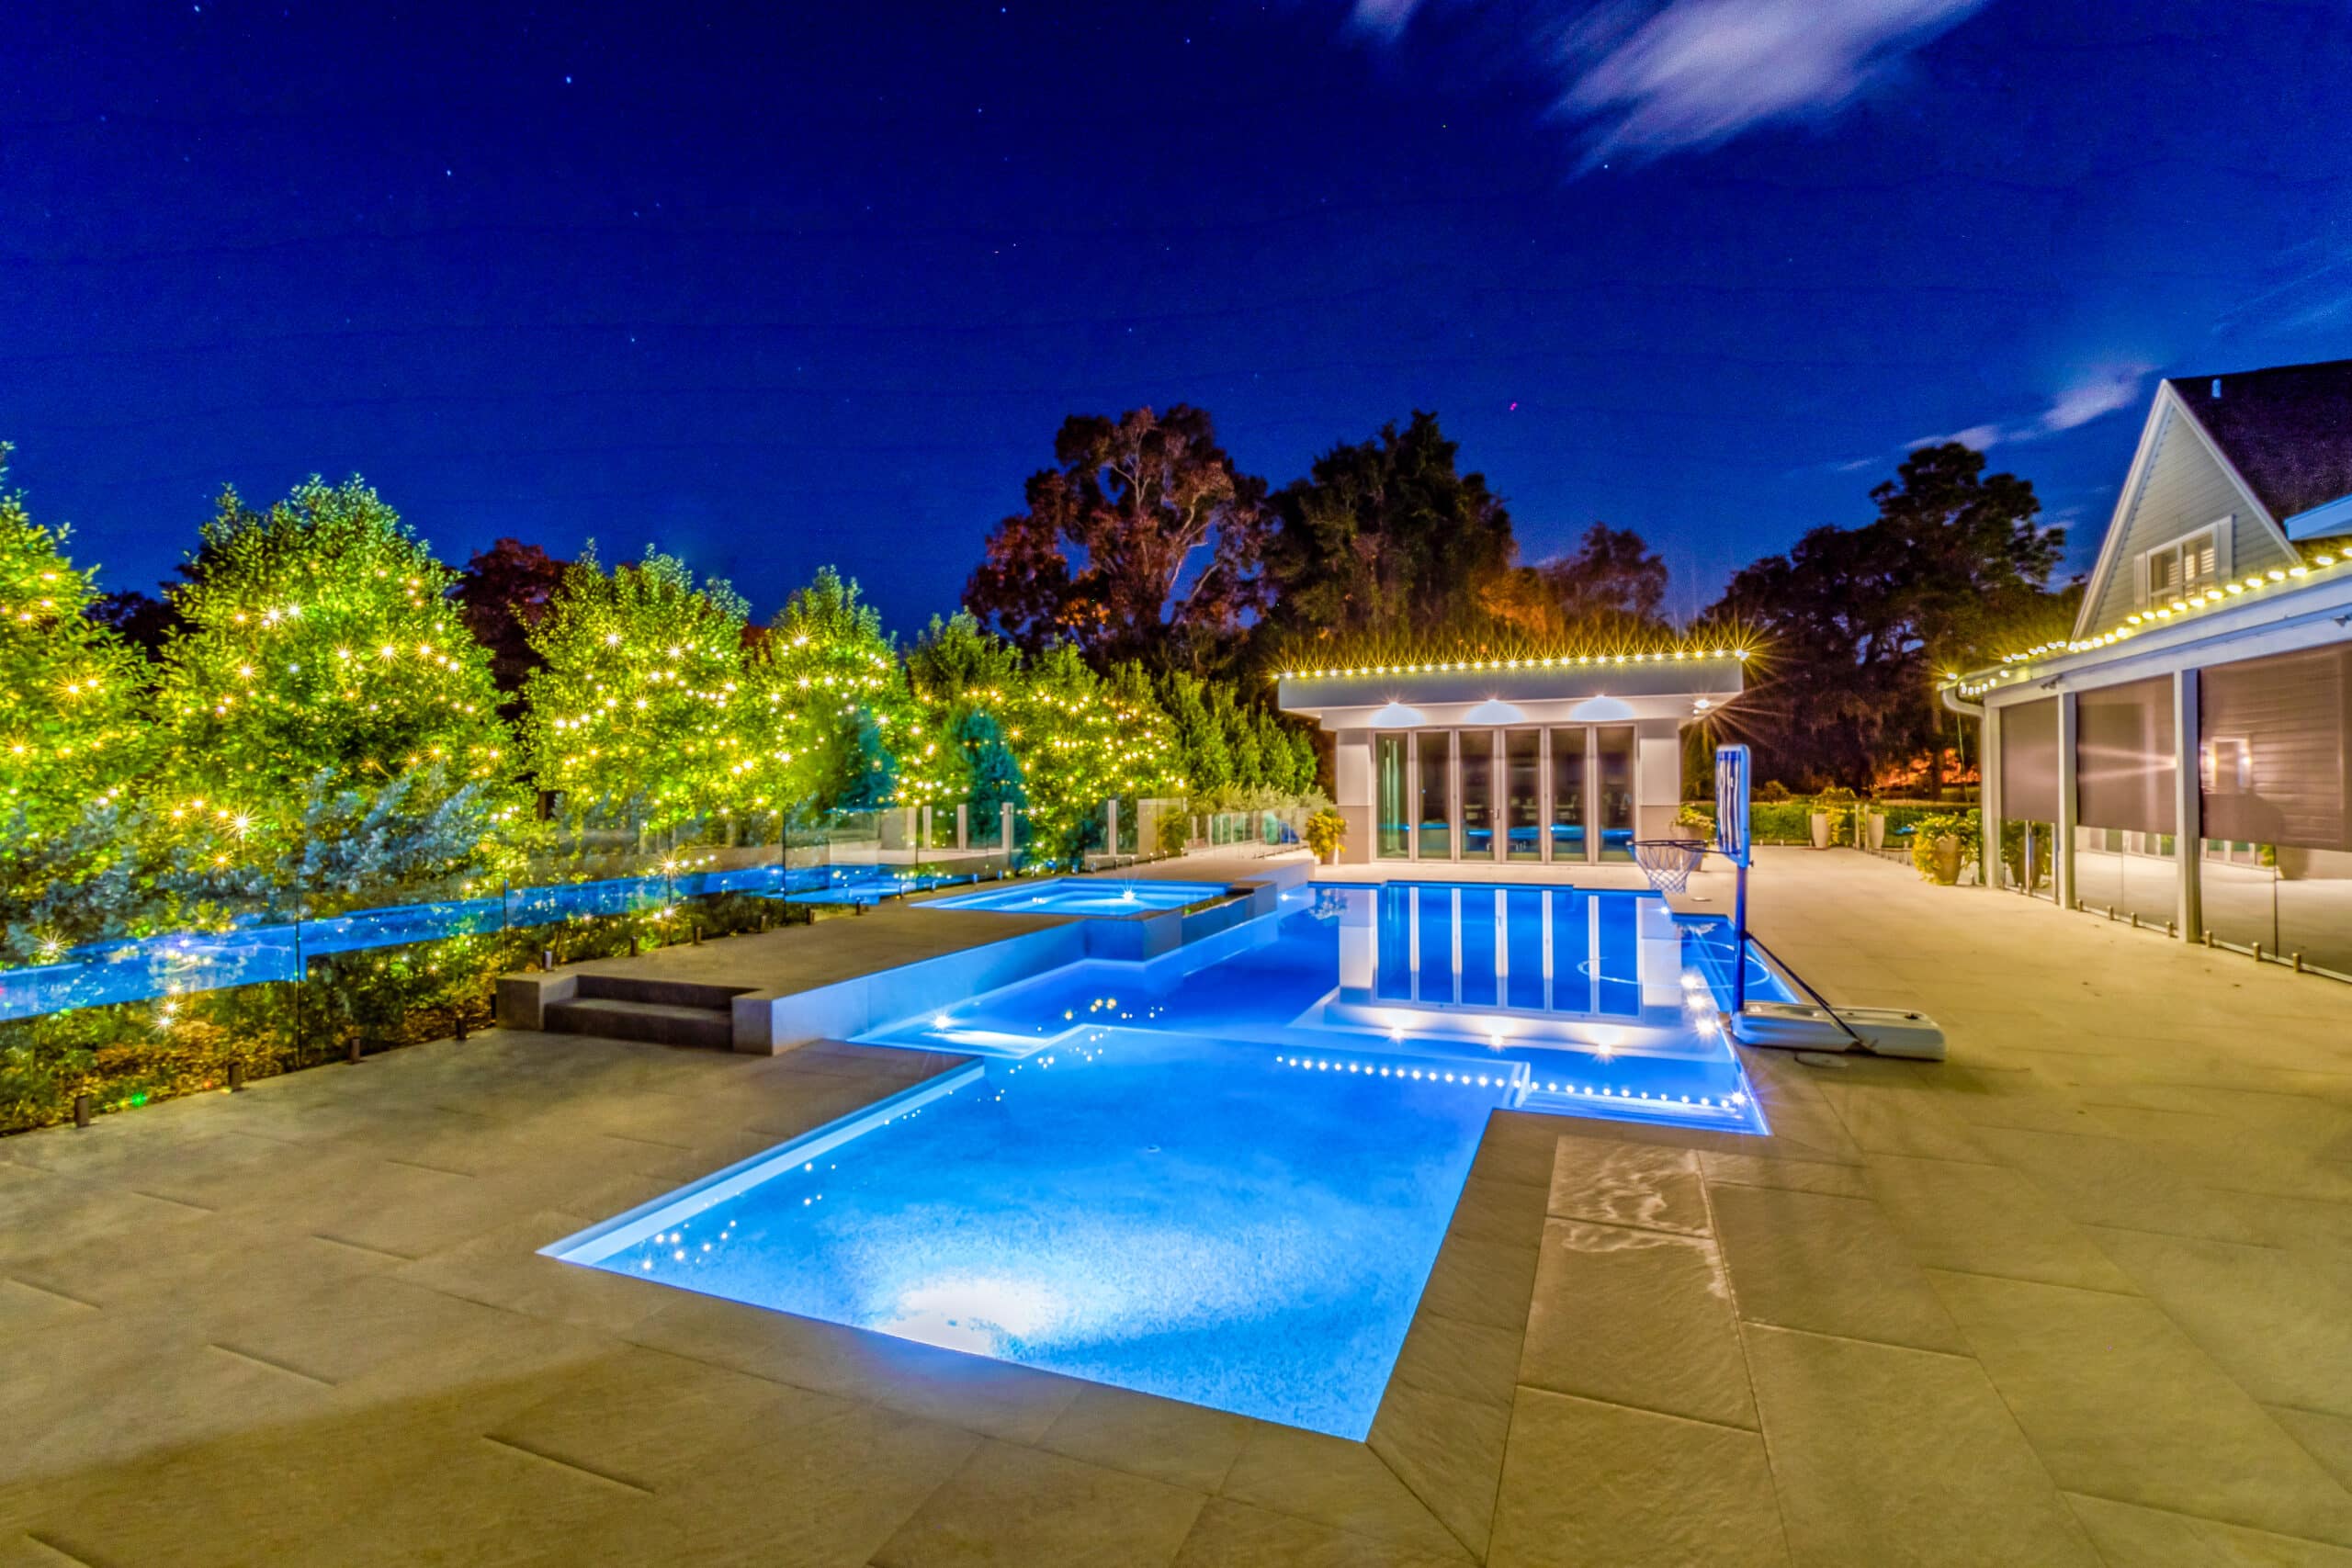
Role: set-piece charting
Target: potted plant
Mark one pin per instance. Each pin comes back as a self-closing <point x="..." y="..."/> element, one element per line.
<point x="1827" y="807"/>
<point x="1325" y="832"/>
<point x="1941" y="845"/>
<point x="1875" y="821"/>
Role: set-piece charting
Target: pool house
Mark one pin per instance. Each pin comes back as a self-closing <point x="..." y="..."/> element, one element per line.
<point x="2183" y="758"/>
<point x="1559" y="760"/>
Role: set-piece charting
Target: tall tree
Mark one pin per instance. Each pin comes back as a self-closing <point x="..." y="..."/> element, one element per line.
<point x="319" y="650"/>
<point x="1142" y="541"/>
<point x="1857" y="621"/>
<point x="504" y="590"/>
<point x="71" y="736"/>
<point x="837" y="722"/>
<point x="1386" y="536"/>
<point x="634" y="715"/>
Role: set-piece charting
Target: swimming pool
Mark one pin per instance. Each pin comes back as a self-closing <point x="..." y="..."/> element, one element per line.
<point x="1221" y="1176"/>
<point x="1084" y="895"/>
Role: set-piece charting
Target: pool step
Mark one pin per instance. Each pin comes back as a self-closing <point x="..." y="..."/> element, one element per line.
<point x="660" y="1012"/>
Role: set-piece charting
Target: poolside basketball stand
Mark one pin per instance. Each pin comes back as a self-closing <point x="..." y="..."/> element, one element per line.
<point x="1812" y="1025"/>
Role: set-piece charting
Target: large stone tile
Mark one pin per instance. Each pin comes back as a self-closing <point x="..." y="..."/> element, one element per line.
<point x="2111" y="1182"/>
<point x="1637" y="1317"/>
<point x="1481" y="1282"/>
<point x="2327" y="1438"/>
<point x="504" y="1268"/>
<point x="1981" y="1219"/>
<point x="1831" y="1265"/>
<point x="1504" y="1212"/>
<point x="2272" y="1322"/>
<point x="1448" y="1451"/>
<point x="2148" y="1538"/>
<point x="1333" y="1482"/>
<point x="1014" y="1505"/>
<point x="652" y="1420"/>
<point x="1185" y="1445"/>
<point x="1884" y="1119"/>
<point x="1586" y="1483"/>
<point x="1468" y="1360"/>
<point x="2119" y="1404"/>
<point x="815" y="1493"/>
<point x="1237" y="1535"/>
<point x="1795" y="1175"/>
<point x="1867" y="1441"/>
<point x="1628" y="1184"/>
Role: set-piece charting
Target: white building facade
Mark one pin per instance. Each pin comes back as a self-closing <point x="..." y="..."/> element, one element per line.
<point x="2183" y="759"/>
<point x="1560" y="760"/>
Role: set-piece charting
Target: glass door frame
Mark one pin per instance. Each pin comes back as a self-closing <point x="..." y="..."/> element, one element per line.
<point x="1549" y="762"/>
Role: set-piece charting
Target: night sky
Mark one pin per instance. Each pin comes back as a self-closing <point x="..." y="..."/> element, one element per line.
<point x="820" y="286"/>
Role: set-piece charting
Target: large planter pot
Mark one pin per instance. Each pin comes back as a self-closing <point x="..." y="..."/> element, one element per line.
<point x="1947" y="860"/>
<point x="1877" y="830"/>
<point x="1821" y="830"/>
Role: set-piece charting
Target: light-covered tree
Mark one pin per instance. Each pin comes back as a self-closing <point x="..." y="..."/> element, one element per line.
<point x="1083" y="740"/>
<point x="72" y="735"/>
<point x="319" y="650"/>
<point x="637" y="714"/>
<point x="834" y="725"/>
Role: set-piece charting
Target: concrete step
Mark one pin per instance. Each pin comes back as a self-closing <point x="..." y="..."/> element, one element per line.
<point x="594" y="987"/>
<point x="657" y="1023"/>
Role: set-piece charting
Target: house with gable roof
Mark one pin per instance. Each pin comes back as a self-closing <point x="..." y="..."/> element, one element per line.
<point x="2184" y="758"/>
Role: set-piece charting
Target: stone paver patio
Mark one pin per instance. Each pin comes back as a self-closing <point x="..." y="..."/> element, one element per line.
<point x="2076" y="1296"/>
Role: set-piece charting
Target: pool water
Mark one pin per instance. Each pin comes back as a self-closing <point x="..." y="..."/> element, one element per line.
<point x="1221" y="1176"/>
<point x="1083" y="895"/>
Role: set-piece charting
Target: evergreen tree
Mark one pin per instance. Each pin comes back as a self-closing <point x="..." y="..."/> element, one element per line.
<point x="1200" y="739"/>
<point x="71" y="733"/>
<point x="637" y="713"/>
<point x="993" y="770"/>
<point x="319" y="649"/>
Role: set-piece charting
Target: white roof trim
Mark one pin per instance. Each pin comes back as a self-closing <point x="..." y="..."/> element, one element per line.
<point x="2318" y="522"/>
<point x="2137" y="479"/>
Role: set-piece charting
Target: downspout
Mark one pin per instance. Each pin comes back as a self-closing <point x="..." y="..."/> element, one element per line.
<point x="1989" y="841"/>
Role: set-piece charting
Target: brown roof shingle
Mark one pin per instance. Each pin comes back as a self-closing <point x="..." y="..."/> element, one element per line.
<point x="2288" y="430"/>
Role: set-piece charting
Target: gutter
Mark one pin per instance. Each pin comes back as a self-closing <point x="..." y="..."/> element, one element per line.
<point x="1955" y="702"/>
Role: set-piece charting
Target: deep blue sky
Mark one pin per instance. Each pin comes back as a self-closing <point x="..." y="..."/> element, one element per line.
<point x="819" y="287"/>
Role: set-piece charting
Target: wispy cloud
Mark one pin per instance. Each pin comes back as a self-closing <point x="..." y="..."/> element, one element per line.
<point x="2098" y="391"/>
<point x="1648" y="77"/>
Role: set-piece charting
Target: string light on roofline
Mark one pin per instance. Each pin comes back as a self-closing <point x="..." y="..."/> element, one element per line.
<point x="1554" y="662"/>
<point x="2322" y="564"/>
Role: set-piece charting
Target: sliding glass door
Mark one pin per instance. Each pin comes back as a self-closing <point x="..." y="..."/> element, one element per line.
<point x="1614" y="789"/>
<point x="1566" y="829"/>
<point x="1522" y="795"/>
<point x="1433" y="751"/>
<point x="1477" y="752"/>
<point x="1391" y="825"/>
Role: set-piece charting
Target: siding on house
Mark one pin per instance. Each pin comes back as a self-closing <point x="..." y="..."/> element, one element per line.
<point x="2184" y="491"/>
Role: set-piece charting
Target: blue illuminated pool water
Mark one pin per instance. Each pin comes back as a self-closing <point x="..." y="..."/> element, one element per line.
<point x="1083" y="895"/>
<point x="1221" y="1176"/>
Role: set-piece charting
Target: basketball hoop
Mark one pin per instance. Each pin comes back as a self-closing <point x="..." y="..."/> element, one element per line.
<point x="1668" y="862"/>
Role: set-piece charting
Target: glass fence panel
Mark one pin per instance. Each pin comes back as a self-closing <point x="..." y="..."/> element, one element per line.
<point x="2314" y="904"/>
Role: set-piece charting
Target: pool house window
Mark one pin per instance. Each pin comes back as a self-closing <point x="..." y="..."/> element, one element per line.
<point x="1517" y="795"/>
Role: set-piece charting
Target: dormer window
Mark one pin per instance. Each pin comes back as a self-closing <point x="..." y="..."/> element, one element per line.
<point x="2189" y="565"/>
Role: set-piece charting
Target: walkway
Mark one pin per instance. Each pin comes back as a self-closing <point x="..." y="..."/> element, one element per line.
<point x="2074" y="1297"/>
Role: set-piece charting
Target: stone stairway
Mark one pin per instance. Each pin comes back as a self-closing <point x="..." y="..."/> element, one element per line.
<point x="661" y="1012"/>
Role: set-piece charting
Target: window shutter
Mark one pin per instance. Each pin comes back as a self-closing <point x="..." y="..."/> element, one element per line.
<point x="2124" y="756"/>
<point x="2276" y="757"/>
<point x="2030" y="761"/>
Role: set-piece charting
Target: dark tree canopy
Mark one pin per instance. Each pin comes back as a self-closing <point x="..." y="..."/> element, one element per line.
<point x="1859" y="621"/>
<point x="504" y="591"/>
<point x="1386" y="534"/>
<point x="142" y="620"/>
<point x="1143" y="541"/>
<point x="1609" y="588"/>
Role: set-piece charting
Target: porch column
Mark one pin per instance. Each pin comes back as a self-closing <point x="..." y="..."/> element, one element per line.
<point x="2188" y="808"/>
<point x="2061" y="853"/>
<point x="1989" y="808"/>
